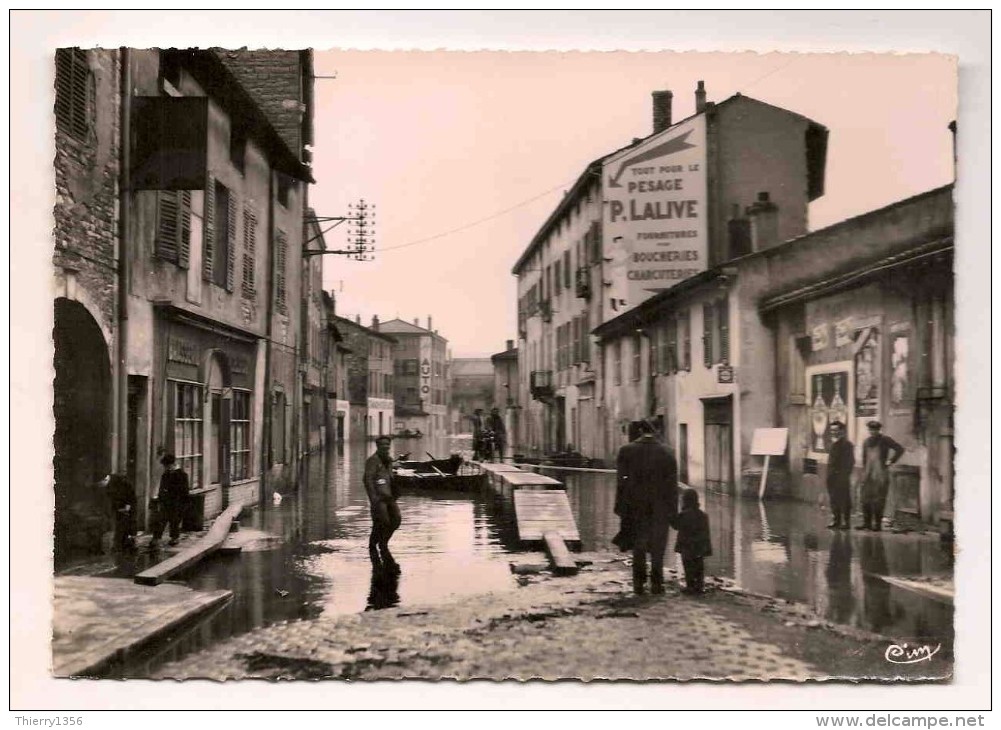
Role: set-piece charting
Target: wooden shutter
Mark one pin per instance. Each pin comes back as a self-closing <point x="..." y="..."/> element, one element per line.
<point x="74" y="92"/>
<point x="723" y="324"/>
<point x="707" y="334"/>
<point x="184" y="244"/>
<point x="208" y="249"/>
<point x="231" y="243"/>
<point x="566" y="269"/>
<point x="585" y="338"/>
<point x="672" y="345"/>
<point x="686" y="340"/>
<point x="281" y="244"/>
<point x="249" y="253"/>
<point x="167" y="225"/>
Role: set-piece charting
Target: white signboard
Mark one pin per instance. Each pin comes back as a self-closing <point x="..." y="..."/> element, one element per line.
<point x="769" y="441"/>
<point x="424" y="367"/>
<point x="655" y="211"/>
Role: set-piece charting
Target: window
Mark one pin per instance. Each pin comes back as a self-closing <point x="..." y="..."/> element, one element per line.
<point x="566" y="268"/>
<point x="723" y="330"/>
<point x="671" y="346"/>
<point x="557" y="277"/>
<point x="173" y="226"/>
<point x="188" y="426"/>
<point x="239" y="436"/>
<point x="249" y="286"/>
<point x="617" y="362"/>
<point x="75" y="93"/>
<point x="410" y="367"/>
<point x="281" y="254"/>
<point x="585" y="337"/>
<point x="637" y="349"/>
<point x="219" y="255"/>
<point x="708" y="311"/>
<point x="237" y="148"/>
<point x="685" y="324"/>
<point x="655" y="350"/>
<point x="278" y="418"/>
<point x="284" y="188"/>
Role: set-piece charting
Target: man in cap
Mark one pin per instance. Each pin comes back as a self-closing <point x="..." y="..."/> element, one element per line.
<point x="876" y="462"/>
<point x="386" y="516"/>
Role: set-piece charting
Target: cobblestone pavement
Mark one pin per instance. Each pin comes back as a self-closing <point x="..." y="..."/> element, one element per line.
<point x="590" y="626"/>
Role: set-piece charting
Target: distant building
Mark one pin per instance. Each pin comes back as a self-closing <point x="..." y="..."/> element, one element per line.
<point x="731" y="179"/>
<point x="472" y="386"/>
<point x="505" y="382"/>
<point x="368" y="355"/>
<point x="421" y="384"/>
<point x="314" y="351"/>
<point x="335" y="374"/>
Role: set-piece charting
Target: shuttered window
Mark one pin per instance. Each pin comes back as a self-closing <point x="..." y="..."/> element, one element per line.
<point x="173" y="226"/>
<point x="723" y="327"/>
<point x="281" y="254"/>
<point x="208" y="238"/>
<point x="637" y="347"/>
<point x="707" y="334"/>
<point x="671" y="345"/>
<point x="566" y="269"/>
<point x="231" y="217"/>
<point x="685" y="322"/>
<point x="585" y="337"/>
<point x="75" y="94"/>
<point x="249" y="285"/>
<point x="557" y="278"/>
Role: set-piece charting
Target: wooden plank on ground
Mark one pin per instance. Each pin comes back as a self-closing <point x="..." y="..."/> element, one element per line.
<point x="207" y="545"/>
<point x="559" y="555"/>
<point x="539" y="512"/>
<point x="527" y="479"/>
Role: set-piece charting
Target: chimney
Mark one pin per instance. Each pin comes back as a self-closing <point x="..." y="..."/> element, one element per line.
<point x="416" y="322"/>
<point x="764" y="216"/>
<point x="375" y="322"/>
<point x="661" y="111"/>
<point x="357" y="319"/>
<point x="429" y="321"/>
<point x="700" y="98"/>
<point x="509" y="345"/>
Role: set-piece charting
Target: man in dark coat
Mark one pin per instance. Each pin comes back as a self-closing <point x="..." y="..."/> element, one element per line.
<point x="477" y="419"/>
<point x="495" y="423"/>
<point x="876" y="463"/>
<point x="171" y="501"/>
<point x="646" y="500"/>
<point x="840" y="462"/>
<point x="122" y="504"/>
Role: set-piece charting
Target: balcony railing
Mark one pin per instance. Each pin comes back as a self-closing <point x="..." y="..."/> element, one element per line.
<point x="541" y="384"/>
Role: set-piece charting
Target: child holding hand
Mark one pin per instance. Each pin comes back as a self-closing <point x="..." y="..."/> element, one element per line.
<point x="693" y="541"/>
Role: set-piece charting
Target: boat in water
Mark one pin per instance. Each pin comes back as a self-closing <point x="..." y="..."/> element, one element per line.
<point x="454" y="474"/>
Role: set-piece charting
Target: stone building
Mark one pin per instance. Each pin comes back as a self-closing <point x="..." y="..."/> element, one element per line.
<point x="421" y="384"/>
<point x="338" y="406"/>
<point x="472" y="386"/>
<point x="505" y="381"/>
<point x="368" y="356"/>
<point x="215" y="226"/>
<point x="86" y="259"/>
<point x="862" y="315"/>
<point x="314" y="349"/>
<point x="732" y="178"/>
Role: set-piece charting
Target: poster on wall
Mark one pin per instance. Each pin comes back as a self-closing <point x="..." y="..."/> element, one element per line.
<point x="900" y="376"/>
<point x="829" y="393"/>
<point x="867" y="373"/>
<point x="656" y="211"/>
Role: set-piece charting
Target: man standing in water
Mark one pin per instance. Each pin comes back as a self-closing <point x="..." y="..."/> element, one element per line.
<point x="840" y="462"/>
<point x="876" y="463"/>
<point x="385" y="512"/>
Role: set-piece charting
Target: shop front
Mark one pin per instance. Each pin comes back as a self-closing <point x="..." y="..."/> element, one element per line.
<point x="208" y="416"/>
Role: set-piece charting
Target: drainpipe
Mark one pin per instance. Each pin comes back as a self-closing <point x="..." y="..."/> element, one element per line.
<point x="266" y="395"/>
<point x="124" y="210"/>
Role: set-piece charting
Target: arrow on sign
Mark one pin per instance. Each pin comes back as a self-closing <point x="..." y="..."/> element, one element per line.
<point x="662" y="150"/>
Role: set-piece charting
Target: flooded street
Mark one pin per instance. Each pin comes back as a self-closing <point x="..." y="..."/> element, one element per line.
<point x="455" y="545"/>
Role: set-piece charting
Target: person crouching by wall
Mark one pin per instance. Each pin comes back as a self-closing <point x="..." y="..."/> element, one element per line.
<point x="122" y="504"/>
<point x="693" y="541"/>
<point x="171" y="501"/>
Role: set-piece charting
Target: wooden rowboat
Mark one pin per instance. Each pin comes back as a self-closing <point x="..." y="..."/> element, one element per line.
<point x="452" y="475"/>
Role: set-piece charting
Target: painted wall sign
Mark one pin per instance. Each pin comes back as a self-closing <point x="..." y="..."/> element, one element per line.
<point x="655" y="212"/>
<point x="182" y="351"/>
<point x="900" y="375"/>
<point x="424" y="357"/>
<point x="867" y="374"/>
<point x="843" y="332"/>
<point x="830" y="392"/>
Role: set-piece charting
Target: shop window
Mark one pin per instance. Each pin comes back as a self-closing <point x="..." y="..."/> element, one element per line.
<point x="188" y="425"/>
<point x="75" y="93"/>
<point x="239" y="436"/>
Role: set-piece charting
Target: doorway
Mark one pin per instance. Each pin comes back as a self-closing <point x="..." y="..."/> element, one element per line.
<point x="718" y="420"/>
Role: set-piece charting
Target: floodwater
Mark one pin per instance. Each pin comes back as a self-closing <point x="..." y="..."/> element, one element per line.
<point x="452" y="545"/>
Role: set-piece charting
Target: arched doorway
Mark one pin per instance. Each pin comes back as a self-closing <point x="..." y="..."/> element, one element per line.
<point x="82" y="439"/>
<point x="217" y="435"/>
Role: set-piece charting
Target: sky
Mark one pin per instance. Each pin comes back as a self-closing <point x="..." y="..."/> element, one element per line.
<point x="465" y="154"/>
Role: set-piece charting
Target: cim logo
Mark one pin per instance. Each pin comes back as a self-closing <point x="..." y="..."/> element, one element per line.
<point x="905" y="654"/>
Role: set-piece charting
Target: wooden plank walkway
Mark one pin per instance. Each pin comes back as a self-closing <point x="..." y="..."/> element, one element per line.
<point x="540" y="511"/>
<point x="207" y="545"/>
<point x="559" y="555"/>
